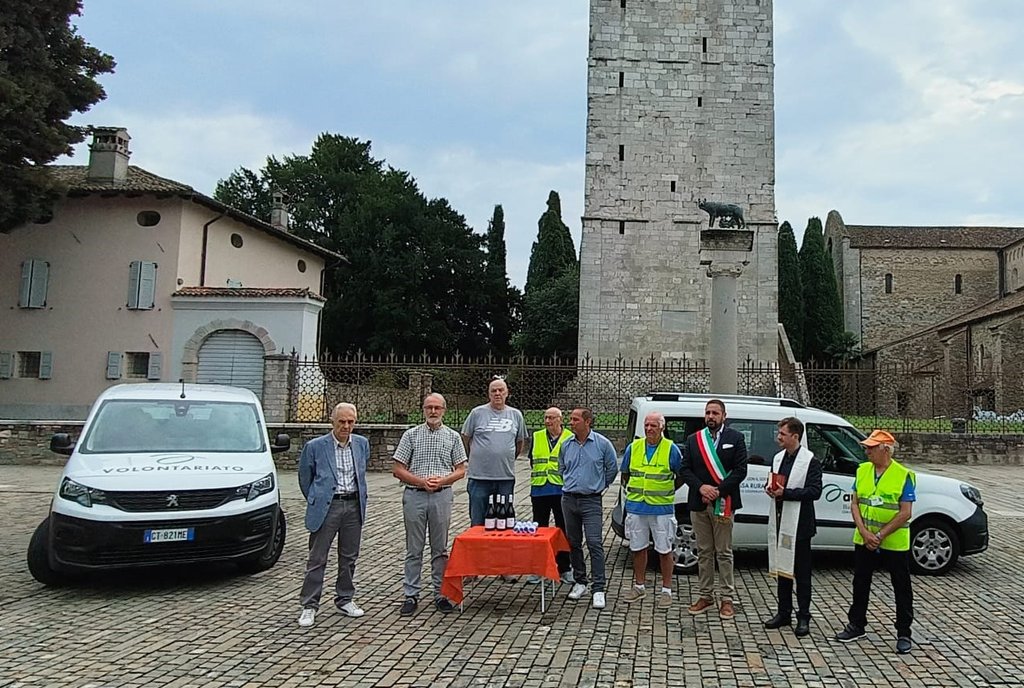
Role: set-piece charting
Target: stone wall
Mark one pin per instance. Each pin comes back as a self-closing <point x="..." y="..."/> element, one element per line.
<point x="26" y="443"/>
<point x="922" y="288"/>
<point x="985" y="450"/>
<point x="680" y="108"/>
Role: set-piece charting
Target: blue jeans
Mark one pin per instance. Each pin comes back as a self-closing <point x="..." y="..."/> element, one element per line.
<point x="583" y="515"/>
<point x="479" y="491"/>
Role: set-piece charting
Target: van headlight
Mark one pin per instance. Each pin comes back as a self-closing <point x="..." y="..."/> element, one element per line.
<point x="972" y="493"/>
<point x="257" y="488"/>
<point x="77" y="492"/>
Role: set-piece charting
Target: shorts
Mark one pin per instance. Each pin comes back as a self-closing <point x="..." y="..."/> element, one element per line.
<point x="642" y="529"/>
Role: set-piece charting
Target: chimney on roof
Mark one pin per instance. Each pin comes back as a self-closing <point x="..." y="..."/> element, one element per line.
<point x="108" y="154"/>
<point x="279" y="217"/>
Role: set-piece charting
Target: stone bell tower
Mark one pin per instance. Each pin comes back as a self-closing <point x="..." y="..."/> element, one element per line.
<point x="680" y="108"/>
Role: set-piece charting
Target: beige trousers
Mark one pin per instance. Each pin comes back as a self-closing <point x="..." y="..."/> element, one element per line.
<point x="714" y="544"/>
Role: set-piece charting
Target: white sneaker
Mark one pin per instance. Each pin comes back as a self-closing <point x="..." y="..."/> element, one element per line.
<point x="307" y="617"/>
<point x="533" y="579"/>
<point x="598" y="600"/>
<point x="578" y="590"/>
<point x="568" y="578"/>
<point x="351" y="609"/>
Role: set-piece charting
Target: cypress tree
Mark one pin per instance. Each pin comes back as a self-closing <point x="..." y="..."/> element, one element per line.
<point x="497" y="286"/>
<point x="791" y="295"/>
<point x="551" y="297"/>
<point x="823" y="322"/>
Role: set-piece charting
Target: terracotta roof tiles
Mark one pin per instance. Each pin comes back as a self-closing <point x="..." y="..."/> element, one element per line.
<point x="248" y="292"/>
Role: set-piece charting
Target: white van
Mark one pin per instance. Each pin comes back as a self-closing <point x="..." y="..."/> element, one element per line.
<point x="948" y="520"/>
<point x="164" y="474"/>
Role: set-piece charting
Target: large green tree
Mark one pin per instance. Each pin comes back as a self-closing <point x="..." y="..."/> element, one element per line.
<point x="823" y="323"/>
<point x="47" y="73"/>
<point x="551" y="298"/>
<point x="414" y="267"/>
<point x="791" y="290"/>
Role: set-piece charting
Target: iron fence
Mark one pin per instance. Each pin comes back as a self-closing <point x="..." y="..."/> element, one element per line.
<point x="389" y="389"/>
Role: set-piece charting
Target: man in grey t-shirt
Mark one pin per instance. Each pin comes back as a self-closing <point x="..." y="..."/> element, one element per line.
<point x="494" y="435"/>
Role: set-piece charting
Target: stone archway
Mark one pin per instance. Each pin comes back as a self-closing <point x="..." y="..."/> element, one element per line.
<point x="190" y="352"/>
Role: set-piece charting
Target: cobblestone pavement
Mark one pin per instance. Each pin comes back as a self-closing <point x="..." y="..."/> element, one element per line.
<point x="213" y="627"/>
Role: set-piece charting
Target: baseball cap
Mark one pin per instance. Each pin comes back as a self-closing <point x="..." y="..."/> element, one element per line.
<point x="878" y="437"/>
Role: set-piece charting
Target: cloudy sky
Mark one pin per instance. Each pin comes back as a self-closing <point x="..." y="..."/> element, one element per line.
<point x="907" y="112"/>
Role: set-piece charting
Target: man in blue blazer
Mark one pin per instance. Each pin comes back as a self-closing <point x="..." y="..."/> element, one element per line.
<point x="332" y="477"/>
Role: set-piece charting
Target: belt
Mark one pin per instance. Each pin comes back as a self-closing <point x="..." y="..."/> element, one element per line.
<point x="423" y="489"/>
<point x="583" y="494"/>
<point x="346" y="495"/>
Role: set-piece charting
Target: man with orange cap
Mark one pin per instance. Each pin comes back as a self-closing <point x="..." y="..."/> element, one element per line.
<point x="883" y="496"/>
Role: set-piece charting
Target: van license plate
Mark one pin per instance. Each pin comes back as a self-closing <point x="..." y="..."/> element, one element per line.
<point x="170" y="535"/>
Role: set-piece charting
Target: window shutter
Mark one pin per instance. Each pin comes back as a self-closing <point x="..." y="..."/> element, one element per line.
<point x="147" y="285"/>
<point x="113" y="365"/>
<point x="134" y="274"/>
<point x="25" y="294"/>
<point x="155" y="365"/>
<point x="40" y="281"/>
<point x="6" y="364"/>
<point x="45" y="365"/>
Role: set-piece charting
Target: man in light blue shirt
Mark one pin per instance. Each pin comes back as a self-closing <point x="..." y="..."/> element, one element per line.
<point x="588" y="466"/>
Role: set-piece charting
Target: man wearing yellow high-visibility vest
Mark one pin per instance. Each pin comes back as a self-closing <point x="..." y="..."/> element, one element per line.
<point x="651" y="472"/>
<point x="881" y="506"/>
<point x="546" y="483"/>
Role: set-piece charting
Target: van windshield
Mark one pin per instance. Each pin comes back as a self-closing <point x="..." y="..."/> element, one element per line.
<point x="158" y="425"/>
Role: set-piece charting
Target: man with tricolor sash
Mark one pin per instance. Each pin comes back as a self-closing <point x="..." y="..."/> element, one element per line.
<point x="794" y="485"/>
<point x="882" y="502"/>
<point x="650" y="467"/>
<point x="546" y="483"/>
<point x="714" y="465"/>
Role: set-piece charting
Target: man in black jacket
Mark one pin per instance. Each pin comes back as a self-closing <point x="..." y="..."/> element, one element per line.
<point x="794" y="485"/>
<point x="714" y="465"/>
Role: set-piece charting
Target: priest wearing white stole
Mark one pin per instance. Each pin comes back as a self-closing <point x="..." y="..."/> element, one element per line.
<point x="791" y="525"/>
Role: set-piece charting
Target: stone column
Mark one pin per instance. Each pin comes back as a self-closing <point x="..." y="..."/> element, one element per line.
<point x="723" y="347"/>
<point x="724" y="252"/>
<point x="276" y="387"/>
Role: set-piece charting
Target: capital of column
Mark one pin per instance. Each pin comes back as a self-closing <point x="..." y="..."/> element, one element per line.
<point x="725" y="270"/>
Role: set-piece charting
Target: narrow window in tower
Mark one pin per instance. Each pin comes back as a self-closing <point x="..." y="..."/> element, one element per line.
<point x="888" y="283"/>
<point x="622" y="4"/>
<point x="958" y="284"/>
<point x="622" y="152"/>
<point x="700" y="102"/>
<point x="704" y="44"/>
<point x="622" y="226"/>
<point x="622" y="79"/>
<point x="672" y="185"/>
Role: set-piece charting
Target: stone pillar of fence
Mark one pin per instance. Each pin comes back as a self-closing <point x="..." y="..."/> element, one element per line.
<point x="421" y="382"/>
<point x="276" y="388"/>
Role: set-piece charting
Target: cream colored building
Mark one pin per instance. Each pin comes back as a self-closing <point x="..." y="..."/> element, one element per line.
<point x="136" y="277"/>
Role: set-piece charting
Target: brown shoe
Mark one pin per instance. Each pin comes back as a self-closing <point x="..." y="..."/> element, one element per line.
<point x="726" y="611"/>
<point x="700" y="606"/>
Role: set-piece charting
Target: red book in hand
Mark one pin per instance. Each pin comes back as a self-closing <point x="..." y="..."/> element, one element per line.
<point x="776" y="481"/>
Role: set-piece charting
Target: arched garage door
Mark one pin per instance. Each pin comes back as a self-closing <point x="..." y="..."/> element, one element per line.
<point x="232" y="357"/>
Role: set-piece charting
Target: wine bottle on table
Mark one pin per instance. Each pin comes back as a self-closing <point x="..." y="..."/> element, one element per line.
<point x="490" y="517"/>
<point x="510" y="514"/>
<point x="499" y="513"/>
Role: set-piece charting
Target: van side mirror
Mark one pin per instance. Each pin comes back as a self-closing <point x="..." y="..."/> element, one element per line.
<point x="282" y="443"/>
<point x="61" y="443"/>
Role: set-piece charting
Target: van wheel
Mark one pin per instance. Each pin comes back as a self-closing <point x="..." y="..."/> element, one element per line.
<point x="684" y="552"/>
<point x="264" y="560"/>
<point x="934" y="547"/>
<point x="38" y="556"/>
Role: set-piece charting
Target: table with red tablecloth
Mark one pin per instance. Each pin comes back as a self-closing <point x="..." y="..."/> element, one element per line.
<point x="479" y="552"/>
